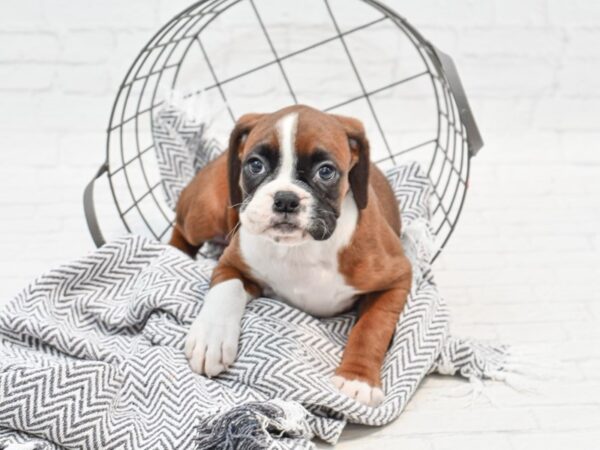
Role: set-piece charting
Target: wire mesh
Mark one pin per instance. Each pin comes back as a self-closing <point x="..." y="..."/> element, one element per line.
<point x="242" y="56"/>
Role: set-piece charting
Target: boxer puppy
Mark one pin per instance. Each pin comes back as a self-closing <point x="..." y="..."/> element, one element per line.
<point x="310" y="221"/>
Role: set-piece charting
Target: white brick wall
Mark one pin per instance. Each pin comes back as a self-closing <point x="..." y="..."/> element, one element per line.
<point x="524" y="264"/>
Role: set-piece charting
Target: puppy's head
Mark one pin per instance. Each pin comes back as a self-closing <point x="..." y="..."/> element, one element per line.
<point x="289" y="172"/>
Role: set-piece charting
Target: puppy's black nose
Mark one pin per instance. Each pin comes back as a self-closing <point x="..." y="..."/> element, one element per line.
<point x="286" y="202"/>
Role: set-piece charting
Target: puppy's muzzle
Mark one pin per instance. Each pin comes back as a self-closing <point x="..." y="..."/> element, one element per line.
<point x="286" y="202"/>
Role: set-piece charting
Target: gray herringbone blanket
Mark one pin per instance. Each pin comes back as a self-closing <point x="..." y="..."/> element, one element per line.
<point x="91" y="357"/>
<point x="91" y="353"/>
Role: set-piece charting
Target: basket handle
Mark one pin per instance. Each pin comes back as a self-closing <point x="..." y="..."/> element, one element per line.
<point x="474" y="139"/>
<point x="90" y="209"/>
<point x="444" y="63"/>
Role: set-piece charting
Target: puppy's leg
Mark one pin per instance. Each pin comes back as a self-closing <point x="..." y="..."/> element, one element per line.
<point x="212" y="341"/>
<point x="359" y="373"/>
<point x="179" y="241"/>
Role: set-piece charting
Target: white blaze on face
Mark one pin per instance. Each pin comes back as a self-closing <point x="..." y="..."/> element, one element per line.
<point x="286" y="134"/>
<point x="258" y="216"/>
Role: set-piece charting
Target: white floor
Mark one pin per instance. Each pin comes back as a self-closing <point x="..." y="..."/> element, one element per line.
<point x="522" y="268"/>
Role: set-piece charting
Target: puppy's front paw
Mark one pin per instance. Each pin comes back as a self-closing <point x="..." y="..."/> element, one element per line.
<point x="359" y="390"/>
<point x="212" y="341"/>
<point x="211" y="346"/>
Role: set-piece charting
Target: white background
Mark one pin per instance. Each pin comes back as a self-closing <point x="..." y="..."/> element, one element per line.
<point x="524" y="263"/>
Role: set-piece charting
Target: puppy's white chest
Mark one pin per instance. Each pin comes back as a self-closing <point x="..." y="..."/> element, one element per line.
<point x="305" y="276"/>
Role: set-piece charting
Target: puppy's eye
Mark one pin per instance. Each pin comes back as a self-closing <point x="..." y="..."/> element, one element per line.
<point x="326" y="172"/>
<point x="255" y="166"/>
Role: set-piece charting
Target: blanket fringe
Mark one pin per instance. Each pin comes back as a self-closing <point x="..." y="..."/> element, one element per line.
<point x="516" y="366"/>
<point x="418" y="242"/>
<point x="22" y="446"/>
<point x="257" y="425"/>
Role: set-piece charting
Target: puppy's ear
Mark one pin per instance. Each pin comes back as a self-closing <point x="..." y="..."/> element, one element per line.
<point x="234" y="163"/>
<point x="359" y="146"/>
